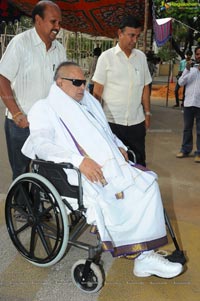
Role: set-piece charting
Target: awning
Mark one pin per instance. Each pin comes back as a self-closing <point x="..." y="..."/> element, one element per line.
<point x="97" y="18"/>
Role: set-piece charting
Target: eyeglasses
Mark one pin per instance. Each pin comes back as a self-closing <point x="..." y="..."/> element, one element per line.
<point x="75" y="82"/>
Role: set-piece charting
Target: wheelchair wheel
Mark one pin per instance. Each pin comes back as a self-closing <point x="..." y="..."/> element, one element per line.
<point x="41" y="234"/>
<point x="94" y="281"/>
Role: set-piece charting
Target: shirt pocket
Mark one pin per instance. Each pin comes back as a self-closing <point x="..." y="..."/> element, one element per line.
<point x="138" y="76"/>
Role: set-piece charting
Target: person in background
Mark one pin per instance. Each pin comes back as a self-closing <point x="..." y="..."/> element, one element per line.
<point x="152" y="61"/>
<point x="26" y="74"/>
<point x="121" y="199"/>
<point x="191" y="80"/>
<point x="96" y="54"/>
<point x="182" y="65"/>
<point x="121" y="83"/>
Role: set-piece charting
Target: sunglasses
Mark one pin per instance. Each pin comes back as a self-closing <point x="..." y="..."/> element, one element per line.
<point x="75" y="82"/>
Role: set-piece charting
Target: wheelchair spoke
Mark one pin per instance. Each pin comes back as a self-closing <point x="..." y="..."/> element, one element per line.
<point x="22" y="190"/>
<point x="55" y="236"/>
<point x="45" y="211"/>
<point x="32" y="241"/>
<point x="35" y="192"/>
<point x="21" y="229"/>
<point x="43" y="240"/>
<point x="53" y="231"/>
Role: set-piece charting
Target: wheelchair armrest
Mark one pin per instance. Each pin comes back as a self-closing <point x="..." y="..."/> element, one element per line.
<point x="61" y="164"/>
<point x="131" y="155"/>
<point x="66" y="165"/>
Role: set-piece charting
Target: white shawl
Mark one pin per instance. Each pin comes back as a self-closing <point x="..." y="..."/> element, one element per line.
<point x="120" y="221"/>
<point x="92" y="132"/>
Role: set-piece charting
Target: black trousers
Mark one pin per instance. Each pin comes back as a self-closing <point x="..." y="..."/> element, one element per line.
<point x="15" y="138"/>
<point x="134" y="137"/>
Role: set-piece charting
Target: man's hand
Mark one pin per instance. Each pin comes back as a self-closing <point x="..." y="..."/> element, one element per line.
<point x="188" y="65"/>
<point x="91" y="169"/>
<point x="124" y="153"/>
<point x="21" y="121"/>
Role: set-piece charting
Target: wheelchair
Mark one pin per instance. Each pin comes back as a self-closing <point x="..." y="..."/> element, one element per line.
<point x="50" y="225"/>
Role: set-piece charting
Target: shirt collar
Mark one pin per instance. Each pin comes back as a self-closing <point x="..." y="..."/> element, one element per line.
<point x="119" y="50"/>
<point x="38" y="41"/>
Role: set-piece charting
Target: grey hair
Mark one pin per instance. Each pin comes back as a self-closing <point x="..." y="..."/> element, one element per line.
<point x="63" y="64"/>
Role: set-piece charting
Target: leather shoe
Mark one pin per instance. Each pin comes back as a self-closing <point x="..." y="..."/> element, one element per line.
<point x="152" y="263"/>
<point x="181" y="155"/>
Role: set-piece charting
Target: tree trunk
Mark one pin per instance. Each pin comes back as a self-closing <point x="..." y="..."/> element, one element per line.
<point x="146" y="19"/>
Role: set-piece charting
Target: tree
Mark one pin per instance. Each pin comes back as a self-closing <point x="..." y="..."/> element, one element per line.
<point x="186" y="22"/>
<point x="146" y="17"/>
<point x="166" y="54"/>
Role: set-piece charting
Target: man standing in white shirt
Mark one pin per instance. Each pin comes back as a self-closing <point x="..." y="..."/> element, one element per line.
<point x="191" y="80"/>
<point x="182" y="65"/>
<point x="121" y="82"/>
<point x="26" y="74"/>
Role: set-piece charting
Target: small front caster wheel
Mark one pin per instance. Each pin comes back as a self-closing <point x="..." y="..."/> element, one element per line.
<point x="94" y="280"/>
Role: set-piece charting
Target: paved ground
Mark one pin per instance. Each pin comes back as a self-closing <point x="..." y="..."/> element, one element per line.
<point x="179" y="182"/>
<point x="5" y="175"/>
<point x="180" y="190"/>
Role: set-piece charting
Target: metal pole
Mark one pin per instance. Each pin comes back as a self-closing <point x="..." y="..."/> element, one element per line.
<point x="170" y="69"/>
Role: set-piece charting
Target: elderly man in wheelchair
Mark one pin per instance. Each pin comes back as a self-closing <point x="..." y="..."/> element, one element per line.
<point x="120" y="199"/>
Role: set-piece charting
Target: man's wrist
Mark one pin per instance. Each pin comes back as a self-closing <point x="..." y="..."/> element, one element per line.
<point x="16" y="115"/>
<point x="147" y="113"/>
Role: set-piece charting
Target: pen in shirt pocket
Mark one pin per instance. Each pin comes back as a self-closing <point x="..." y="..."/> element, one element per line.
<point x="54" y="67"/>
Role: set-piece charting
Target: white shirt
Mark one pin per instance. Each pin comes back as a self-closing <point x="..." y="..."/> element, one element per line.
<point x="123" y="79"/>
<point x="191" y="81"/>
<point x="30" y="68"/>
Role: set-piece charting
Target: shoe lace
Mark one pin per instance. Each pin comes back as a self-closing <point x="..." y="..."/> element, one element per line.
<point x="162" y="253"/>
<point x="158" y="257"/>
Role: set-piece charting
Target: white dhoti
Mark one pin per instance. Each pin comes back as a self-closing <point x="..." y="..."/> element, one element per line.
<point x="59" y="129"/>
<point x="129" y="225"/>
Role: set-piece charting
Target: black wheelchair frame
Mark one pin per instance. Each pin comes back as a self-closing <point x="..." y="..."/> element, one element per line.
<point x="48" y="231"/>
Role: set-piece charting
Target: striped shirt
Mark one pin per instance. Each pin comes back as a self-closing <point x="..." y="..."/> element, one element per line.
<point x="30" y="67"/>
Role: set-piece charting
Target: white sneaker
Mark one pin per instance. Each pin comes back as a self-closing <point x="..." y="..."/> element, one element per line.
<point x="152" y="263"/>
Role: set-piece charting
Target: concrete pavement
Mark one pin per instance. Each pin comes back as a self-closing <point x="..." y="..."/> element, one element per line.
<point x="5" y="174"/>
